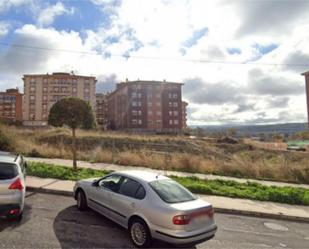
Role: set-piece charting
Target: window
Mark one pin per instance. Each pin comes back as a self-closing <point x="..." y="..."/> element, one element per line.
<point x="74" y="89"/>
<point x="131" y="188"/>
<point x="45" y="89"/>
<point x="175" y="104"/>
<point x="159" y="113"/>
<point x="158" y="95"/>
<point x="7" y="171"/>
<point x="134" y="113"/>
<point x="150" y="113"/>
<point x="175" y="113"/>
<point x="149" y="95"/>
<point x="150" y="104"/>
<point x="32" y="97"/>
<point x="134" y="95"/>
<point x="44" y="97"/>
<point x="44" y="106"/>
<point x="134" y="121"/>
<point x="158" y="104"/>
<point x="170" y="122"/>
<point x="139" y="113"/>
<point x="32" y="89"/>
<point x="56" y="89"/>
<point x="175" y="95"/>
<point x="170" y="113"/>
<point x="134" y="103"/>
<point x="32" y="81"/>
<point x="44" y="80"/>
<point x="110" y="182"/>
<point x="159" y="121"/>
<point x="139" y="121"/>
<point x="171" y="192"/>
<point x="176" y="122"/>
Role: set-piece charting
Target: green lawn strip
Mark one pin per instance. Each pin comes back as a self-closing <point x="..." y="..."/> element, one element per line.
<point x="44" y="170"/>
<point x="249" y="190"/>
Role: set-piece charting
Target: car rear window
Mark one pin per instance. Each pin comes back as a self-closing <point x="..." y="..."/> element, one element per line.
<point x="171" y="192"/>
<point x="7" y="171"/>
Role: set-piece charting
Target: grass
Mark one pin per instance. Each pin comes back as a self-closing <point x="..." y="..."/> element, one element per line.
<point x="249" y="190"/>
<point x="177" y="153"/>
<point x="63" y="173"/>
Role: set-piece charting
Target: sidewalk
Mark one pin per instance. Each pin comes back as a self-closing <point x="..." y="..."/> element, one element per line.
<point x="113" y="167"/>
<point x="221" y="204"/>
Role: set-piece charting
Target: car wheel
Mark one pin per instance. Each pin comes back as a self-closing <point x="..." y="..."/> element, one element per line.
<point x="139" y="233"/>
<point x="81" y="200"/>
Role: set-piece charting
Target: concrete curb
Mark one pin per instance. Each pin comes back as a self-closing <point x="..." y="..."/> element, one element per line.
<point x="278" y="216"/>
<point x="217" y="209"/>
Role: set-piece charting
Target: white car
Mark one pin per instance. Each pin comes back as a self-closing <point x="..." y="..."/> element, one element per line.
<point x="12" y="185"/>
<point x="149" y="206"/>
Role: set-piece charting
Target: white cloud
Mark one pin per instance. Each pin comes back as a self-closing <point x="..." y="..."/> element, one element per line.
<point x="7" y="4"/>
<point x="4" y="28"/>
<point x="47" y="16"/>
<point x="152" y="34"/>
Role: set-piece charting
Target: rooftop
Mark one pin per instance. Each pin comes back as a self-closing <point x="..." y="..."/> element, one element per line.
<point x="7" y="157"/>
<point x="57" y="74"/>
<point x="142" y="175"/>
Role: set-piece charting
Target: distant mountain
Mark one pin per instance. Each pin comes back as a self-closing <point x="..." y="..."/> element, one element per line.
<point x="255" y="130"/>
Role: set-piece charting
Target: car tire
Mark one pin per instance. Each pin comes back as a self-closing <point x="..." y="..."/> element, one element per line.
<point x="139" y="233"/>
<point x="81" y="200"/>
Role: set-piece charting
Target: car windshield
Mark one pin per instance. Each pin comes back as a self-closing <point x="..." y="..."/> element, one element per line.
<point x="171" y="192"/>
<point x="7" y="171"/>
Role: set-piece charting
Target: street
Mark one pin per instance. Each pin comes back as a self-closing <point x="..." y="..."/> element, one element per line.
<point x="53" y="221"/>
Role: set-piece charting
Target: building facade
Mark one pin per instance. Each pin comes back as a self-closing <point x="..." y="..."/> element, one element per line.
<point x="11" y="106"/>
<point x="42" y="91"/>
<point x="101" y="110"/>
<point x="306" y="74"/>
<point x="146" y="106"/>
<point x="184" y="114"/>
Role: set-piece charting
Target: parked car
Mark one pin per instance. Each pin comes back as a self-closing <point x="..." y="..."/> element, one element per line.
<point x="150" y="206"/>
<point x="12" y="185"/>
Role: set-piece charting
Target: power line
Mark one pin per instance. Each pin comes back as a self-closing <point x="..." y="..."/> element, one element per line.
<point x="155" y="58"/>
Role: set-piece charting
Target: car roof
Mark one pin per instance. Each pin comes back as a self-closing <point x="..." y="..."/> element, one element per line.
<point x="7" y="157"/>
<point x="142" y="175"/>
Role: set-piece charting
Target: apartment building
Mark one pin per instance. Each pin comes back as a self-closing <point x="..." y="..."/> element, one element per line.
<point x="306" y="74"/>
<point x="11" y="106"/>
<point x="146" y="106"/>
<point x="42" y="91"/>
<point x="101" y="110"/>
<point x="184" y="114"/>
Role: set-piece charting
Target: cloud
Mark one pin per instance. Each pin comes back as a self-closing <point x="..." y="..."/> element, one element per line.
<point x="276" y="85"/>
<point x="47" y="16"/>
<point x="270" y="17"/>
<point x="277" y="102"/>
<point x="4" y="28"/>
<point x="5" y="5"/>
<point x="196" y="35"/>
<point x="200" y="92"/>
<point x="106" y="83"/>
<point x="297" y="58"/>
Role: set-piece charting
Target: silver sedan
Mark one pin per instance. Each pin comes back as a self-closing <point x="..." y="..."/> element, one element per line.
<point x="149" y="206"/>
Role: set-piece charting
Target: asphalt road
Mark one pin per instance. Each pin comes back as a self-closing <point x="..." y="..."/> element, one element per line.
<point x="52" y="221"/>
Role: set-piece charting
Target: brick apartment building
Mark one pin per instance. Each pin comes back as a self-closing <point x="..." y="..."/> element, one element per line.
<point x="101" y="110"/>
<point x="42" y="91"/>
<point x="306" y="74"/>
<point x="11" y="106"/>
<point x="146" y="106"/>
<point x="184" y="114"/>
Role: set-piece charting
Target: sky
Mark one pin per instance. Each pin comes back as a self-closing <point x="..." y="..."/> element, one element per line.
<point x="240" y="61"/>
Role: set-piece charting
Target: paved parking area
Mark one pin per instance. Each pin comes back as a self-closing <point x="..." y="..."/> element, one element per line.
<point x="53" y="221"/>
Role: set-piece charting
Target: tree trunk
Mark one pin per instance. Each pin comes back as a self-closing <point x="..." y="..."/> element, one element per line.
<point x="74" y="149"/>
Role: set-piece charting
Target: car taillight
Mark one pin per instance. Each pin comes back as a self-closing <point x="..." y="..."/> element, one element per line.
<point x="210" y="212"/>
<point x="181" y="219"/>
<point x="17" y="185"/>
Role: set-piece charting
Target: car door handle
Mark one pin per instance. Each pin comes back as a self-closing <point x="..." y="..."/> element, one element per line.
<point x="133" y="204"/>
